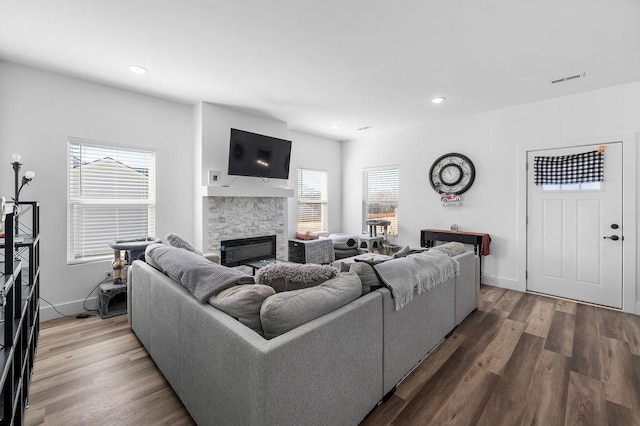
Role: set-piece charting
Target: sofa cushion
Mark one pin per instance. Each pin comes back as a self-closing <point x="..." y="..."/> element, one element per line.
<point x="294" y="276"/>
<point x="367" y="275"/>
<point x="451" y="249"/>
<point x="175" y="240"/>
<point x="201" y="277"/>
<point x="289" y="309"/>
<point x="243" y="302"/>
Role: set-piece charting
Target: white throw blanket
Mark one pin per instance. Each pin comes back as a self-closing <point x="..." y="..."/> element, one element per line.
<point x="422" y="271"/>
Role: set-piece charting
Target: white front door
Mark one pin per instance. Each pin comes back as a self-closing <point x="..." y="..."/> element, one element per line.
<point x="574" y="233"/>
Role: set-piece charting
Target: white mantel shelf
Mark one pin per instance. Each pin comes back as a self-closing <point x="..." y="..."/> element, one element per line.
<point x="245" y="191"/>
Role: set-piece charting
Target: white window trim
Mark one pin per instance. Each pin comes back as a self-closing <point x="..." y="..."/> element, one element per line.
<point x="365" y="200"/>
<point x="149" y="201"/>
<point x="324" y="202"/>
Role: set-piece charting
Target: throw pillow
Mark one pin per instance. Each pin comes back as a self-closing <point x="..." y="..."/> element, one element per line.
<point x="175" y="240"/>
<point x="243" y="302"/>
<point x="294" y="276"/>
<point x="289" y="309"/>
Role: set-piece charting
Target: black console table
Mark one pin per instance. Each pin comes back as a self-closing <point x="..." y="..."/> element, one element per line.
<point x="479" y="240"/>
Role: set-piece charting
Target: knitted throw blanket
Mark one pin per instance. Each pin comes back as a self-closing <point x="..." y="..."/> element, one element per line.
<point x="422" y="271"/>
<point x="201" y="277"/>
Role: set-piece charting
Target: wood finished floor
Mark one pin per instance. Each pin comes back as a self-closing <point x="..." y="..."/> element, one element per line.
<point x="519" y="359"/>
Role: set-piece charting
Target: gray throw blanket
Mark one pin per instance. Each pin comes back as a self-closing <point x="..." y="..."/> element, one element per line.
<point x="197" y="274"/>
<point x="422" y="271"/>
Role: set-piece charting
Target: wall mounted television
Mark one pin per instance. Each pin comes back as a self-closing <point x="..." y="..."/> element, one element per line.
<point x="251" y="154"/>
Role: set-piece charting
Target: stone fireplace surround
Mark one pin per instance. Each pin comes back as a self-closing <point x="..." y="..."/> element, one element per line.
<point x="232" y="217"/>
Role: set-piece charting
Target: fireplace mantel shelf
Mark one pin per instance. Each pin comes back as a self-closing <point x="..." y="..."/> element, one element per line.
<point x="245" y="191"/>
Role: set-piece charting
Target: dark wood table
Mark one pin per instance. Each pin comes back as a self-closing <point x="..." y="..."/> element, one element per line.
<point x="480" y="240"/>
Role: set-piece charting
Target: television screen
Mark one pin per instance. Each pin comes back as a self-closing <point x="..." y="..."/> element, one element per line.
<point x="251" y="154"/>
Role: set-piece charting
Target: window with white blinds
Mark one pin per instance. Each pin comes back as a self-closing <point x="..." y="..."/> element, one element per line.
<point x="312" y="200"/>
<point x="380" y="196"/>
<point x="111" y="196"/>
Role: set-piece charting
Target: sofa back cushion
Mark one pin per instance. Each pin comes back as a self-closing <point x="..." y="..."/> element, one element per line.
<point x="243" y="302"/>
<point x="289" y="309"/>
<point x="367" y="276"/>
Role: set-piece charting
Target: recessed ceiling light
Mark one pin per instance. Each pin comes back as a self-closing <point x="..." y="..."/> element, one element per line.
<point x="137" y="69"/>
<point x="438" y="100"/>
<point x="334" y="127"/>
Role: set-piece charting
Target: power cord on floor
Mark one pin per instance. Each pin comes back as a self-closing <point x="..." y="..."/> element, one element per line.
<point x="55" y="309"/>
<point x="84" y="302"/>
<point x="87" y="312"/>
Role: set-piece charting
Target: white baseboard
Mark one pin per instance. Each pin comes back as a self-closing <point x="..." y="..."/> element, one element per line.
<point x="501" y="282"/>
<point x="69" y="308"/>
<point x="637" y="308"/>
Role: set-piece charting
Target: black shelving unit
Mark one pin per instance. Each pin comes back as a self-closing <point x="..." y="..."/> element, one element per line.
<point x="21" y="307"/>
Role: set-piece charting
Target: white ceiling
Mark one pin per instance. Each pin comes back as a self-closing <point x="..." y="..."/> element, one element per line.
<point x="321" y="63"/>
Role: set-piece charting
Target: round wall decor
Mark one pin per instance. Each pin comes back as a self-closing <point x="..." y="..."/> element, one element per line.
<point x="452" y="173"/>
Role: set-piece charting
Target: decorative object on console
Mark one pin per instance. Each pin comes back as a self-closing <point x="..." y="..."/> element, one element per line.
<point x="28" y="176"/>
<point x="452" y="173"/>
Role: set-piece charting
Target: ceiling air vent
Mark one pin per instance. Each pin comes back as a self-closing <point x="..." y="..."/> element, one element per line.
<point x="568" y="78"/>
<point x="364" y="128"/>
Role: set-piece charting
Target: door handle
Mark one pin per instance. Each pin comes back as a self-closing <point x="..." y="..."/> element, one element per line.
<point x="613" y="237"/>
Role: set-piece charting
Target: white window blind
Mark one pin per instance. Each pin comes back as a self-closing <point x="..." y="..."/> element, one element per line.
<point x="312" y="200"/>
<point x="111" y="196"/>
<point x="380" y="196"/>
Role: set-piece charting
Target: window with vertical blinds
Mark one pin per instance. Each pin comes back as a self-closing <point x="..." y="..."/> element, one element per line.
<point x="111" y="196"/>
<point x="312" y="200"/>
<point x="380" y="196"/>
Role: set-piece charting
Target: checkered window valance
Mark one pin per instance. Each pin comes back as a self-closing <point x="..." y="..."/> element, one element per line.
<point x="576" y="168"/>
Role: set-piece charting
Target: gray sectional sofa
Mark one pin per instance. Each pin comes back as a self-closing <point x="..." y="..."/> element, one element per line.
<point x="331" y="370"/>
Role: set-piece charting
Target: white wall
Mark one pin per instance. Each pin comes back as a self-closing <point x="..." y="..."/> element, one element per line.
<point x="314" y="152"/>
<point x="38" y="111"/>
<point x="492" y="141"/>
<point x="306" y="151"/>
